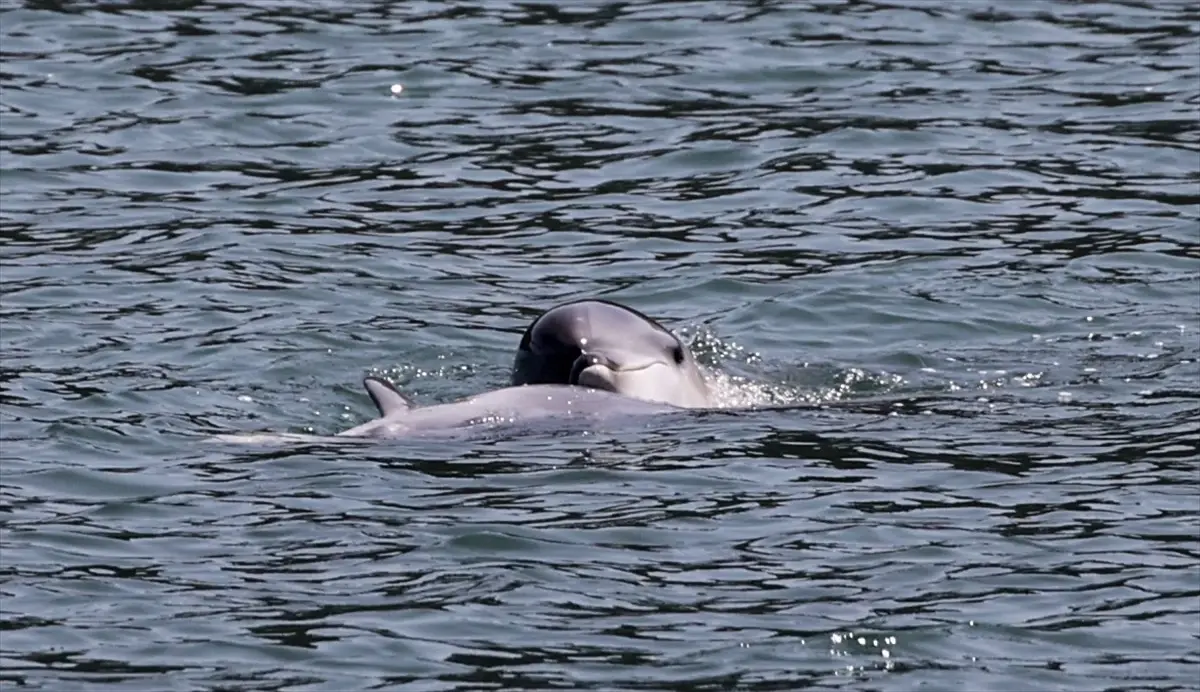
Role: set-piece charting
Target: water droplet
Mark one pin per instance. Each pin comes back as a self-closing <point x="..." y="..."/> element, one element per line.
<point x="397" y="89"/>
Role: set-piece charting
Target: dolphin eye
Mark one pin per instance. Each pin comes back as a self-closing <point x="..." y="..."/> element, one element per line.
<point x="678" y="355"/>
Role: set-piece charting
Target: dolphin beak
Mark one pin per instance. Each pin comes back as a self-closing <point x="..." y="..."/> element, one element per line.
<point x="600" y="371"/>
<point x="594" y="368"/>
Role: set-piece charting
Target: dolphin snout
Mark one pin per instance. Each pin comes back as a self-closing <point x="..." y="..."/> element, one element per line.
<point x="587" y="360"/>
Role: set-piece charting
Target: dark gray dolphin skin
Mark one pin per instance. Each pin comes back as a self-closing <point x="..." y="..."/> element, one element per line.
<point x="608" y="346"/>
<point x="587" y="360"/>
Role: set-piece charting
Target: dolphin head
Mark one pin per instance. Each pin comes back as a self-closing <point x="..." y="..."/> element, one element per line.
<point x="603" y="345"/>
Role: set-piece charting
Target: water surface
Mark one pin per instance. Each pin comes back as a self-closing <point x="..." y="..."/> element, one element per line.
<point x="971" y="232"/>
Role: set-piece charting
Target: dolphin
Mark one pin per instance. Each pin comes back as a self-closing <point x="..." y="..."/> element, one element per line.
<point x="504" y="409"/>
<point x="585" y="361"/>
<point x="608" y="346"/>
<point x="501" y="407"/>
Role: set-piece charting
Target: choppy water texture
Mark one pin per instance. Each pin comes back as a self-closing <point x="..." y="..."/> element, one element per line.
<point x="968" y="231"/>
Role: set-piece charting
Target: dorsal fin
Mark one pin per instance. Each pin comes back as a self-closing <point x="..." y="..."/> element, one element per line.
<point x="385" y="396"/>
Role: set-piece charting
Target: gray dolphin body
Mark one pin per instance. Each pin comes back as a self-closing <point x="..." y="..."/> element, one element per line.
<point x="501" y="407"/>
<point x="584" y="361"/>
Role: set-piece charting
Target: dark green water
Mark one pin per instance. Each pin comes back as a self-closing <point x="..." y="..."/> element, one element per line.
<point x="971" y="229"/>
